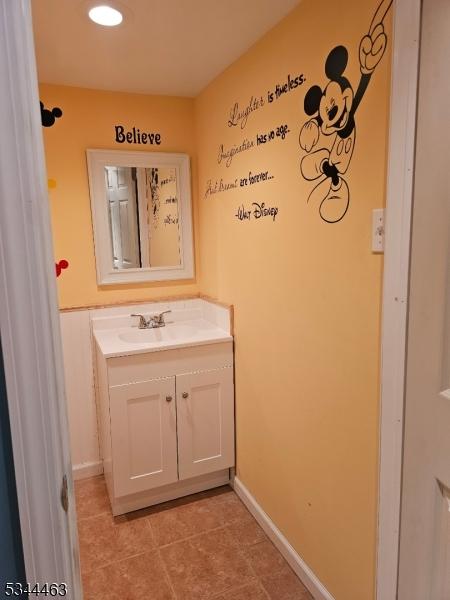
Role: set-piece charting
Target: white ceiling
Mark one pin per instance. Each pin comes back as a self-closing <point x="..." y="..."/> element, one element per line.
<point x="168" y="47"/>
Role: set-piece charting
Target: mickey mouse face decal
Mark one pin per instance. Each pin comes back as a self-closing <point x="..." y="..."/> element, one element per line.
<point x="334" y="103"/>
<point x="334" y="108"/>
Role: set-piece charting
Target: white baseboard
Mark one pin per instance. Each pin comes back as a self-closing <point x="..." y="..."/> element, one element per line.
<point x="300" y="568"/>
<point x="85" y="470"/>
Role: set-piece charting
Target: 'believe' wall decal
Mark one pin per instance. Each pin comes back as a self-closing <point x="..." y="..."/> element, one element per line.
<point x="136" y="137"/>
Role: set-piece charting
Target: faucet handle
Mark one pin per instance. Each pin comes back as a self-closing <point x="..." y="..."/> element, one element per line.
<point x="159" y="318"/>
<point x="142" y="321"/>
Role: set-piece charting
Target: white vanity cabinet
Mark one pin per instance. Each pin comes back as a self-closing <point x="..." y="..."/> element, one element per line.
<point x="205" y="422"/>
<point x="143" y="435"/>
<point x="166" y="423"/>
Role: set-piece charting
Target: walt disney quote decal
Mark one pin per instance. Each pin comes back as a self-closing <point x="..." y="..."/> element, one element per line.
<point x="332" y="114"/>
<point x="238" y="118"/>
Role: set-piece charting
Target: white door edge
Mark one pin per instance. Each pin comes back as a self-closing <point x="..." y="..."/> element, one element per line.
<point x="29" y="320"/>
<point x="404" y="82"/>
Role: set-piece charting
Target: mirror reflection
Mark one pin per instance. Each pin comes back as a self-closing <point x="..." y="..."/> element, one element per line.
<point x="143" y="216"/>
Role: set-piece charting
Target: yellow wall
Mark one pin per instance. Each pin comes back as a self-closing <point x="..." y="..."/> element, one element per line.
<point x="306" y="295"/>
<point x="88" y="121"/>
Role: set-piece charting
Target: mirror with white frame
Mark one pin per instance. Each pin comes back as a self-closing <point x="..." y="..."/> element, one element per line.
<point x="141" y="214"/>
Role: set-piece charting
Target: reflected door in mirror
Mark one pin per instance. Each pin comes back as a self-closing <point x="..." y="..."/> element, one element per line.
<point x="122" y="210"/>
<point x="143" y="216"/>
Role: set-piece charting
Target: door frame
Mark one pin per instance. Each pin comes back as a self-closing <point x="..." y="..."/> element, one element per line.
<point x="399" y="194"/>
<point x="29" y="318"/>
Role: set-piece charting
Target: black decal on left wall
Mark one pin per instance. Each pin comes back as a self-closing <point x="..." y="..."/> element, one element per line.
<point x="48" y="117"/>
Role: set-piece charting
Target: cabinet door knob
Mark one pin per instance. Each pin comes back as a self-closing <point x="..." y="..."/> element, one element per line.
<point x="185" y="395"/>
<point x="168" y="398"/>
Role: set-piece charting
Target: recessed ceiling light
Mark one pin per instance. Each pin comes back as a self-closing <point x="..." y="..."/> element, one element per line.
<point x="105" y="15"/>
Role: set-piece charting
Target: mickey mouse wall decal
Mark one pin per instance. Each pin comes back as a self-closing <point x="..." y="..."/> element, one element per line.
<point x="332" y="111"/>
<point x="59" y="266"/>
<point x="48" y="117"/>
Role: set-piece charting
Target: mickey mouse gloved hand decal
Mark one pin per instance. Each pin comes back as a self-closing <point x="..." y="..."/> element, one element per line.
<point x="332" y="113"/>
<point x="373" y="45"/>
<point x="309" y="135"/>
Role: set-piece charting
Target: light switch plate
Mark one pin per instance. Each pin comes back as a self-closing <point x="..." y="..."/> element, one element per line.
<point x="378" y="230"/>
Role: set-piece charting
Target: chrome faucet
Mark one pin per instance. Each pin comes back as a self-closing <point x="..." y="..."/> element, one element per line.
<point x="153" y="321"/>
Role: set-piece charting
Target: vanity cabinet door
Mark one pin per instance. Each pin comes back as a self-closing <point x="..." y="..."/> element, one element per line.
<point x="205" y="409"/>
<point x="143" y="435"/>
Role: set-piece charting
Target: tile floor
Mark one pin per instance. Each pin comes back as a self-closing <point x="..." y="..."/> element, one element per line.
<point x="203" y="547"/>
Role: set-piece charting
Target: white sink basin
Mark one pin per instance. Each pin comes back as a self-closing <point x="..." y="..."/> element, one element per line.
<point x="158" y="335"/>
<point x="143" y="336"/>
<point x="177" y="332"/>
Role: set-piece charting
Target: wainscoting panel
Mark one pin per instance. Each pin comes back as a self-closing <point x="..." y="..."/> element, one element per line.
<point x="78" y="369"/>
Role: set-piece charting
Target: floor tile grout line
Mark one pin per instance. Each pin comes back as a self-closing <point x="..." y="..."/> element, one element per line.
<point x="243" y="554"/>
<point x="164" y="567"/>
<point x="247" y="561"/>
<point x="106" y="512"/>
<point x="226" y="590"/>
<point x="167" y="575"/>
<point x="120" y="560"/>
<point x="147" y="518"/>
<point x="241" y="551"/>
<point x="196" y="535"/>
<point x="260" y="578"/>
<point x="280" y="570"/>
<point x="218" y="498"/>
<point x="154" y="548"/>
<point x="237" y="589"/>
<point x="152" y="533"/>
<point x="266" y="593"/>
